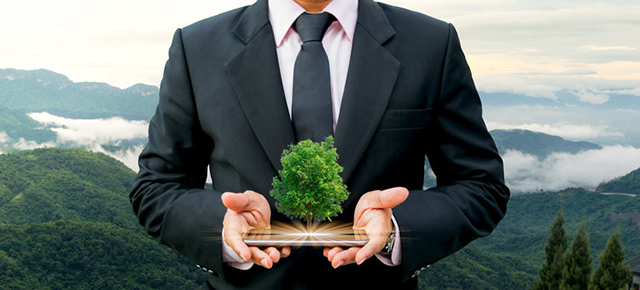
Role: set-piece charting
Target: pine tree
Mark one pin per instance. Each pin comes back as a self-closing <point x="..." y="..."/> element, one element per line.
<point x="577" y="262"/>
<point x="550" y="275"/>
<point x="612" y="274"/>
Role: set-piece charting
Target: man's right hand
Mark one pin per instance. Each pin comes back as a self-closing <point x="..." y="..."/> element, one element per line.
<point x="246" y="211"/>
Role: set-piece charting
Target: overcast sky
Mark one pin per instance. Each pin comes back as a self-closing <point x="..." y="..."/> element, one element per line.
<point x="585" y="49"/>
<point x="537" y="45"/>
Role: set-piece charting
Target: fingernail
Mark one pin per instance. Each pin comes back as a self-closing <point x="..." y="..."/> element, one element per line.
<point x="264" y="263"/>
<point x="339" y="264"/>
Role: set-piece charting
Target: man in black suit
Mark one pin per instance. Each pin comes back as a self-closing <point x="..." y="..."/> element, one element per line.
<point x="408" y="93"/>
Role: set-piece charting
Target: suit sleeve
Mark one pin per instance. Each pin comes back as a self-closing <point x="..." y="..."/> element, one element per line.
<point x="471" y="195"/>
<point x="167" y="195"/>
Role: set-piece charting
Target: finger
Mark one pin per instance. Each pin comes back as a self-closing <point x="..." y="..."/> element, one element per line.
<point x="389" y="198"/>
<point x="331" y="254"/>
<point x="273" y="253"/>
<point x="234" y="239"/>
<point x="285" y="252"/>
<point x="345" y="257"/>
<point x="242" y="202"/>
<point x="375" y="244"/>
<point x="261" y="258"/>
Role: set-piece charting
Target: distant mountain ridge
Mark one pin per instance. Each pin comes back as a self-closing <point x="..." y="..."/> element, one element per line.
<point x="43" y="90"/>
<point x="536" y="143"/>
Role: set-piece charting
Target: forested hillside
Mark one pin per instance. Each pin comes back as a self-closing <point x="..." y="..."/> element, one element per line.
<point x="16" y="125"/>
<point x="66" y="223"/>
<point x="511" y="256"/>
<point x="629" y="183"/>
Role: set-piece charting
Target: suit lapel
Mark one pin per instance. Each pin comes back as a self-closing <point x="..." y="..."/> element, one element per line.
<point x="255" y="76"/>
<point x="372" y="75"/>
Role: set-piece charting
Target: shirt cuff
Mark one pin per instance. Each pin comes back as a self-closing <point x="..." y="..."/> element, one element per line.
<point x="232" y="259"/>
<point x="395" y="258"/>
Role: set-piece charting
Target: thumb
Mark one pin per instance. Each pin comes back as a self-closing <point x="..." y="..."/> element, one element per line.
<point x="390" y="198"/>
<point x="241" y="202"/>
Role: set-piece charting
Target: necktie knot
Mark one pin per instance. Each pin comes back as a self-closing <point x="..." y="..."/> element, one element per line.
<point x="311" y="27"/>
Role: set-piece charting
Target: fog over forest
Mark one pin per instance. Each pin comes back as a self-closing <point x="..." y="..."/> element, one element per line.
<point x="524" y="172"/>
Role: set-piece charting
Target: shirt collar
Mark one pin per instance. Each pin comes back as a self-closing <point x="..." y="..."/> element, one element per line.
<point x="282" y="14"/>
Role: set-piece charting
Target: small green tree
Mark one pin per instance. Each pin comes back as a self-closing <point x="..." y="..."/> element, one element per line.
<point x="550" y="275"/>
<point x="309" y="185"/>
<point x="611" y="273"/>
<point x="578" y="264"/>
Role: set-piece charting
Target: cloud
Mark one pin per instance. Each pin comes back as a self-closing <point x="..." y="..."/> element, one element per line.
<point x="587" y="169"/>
<point x="634" y="92"/>
<point x="569" y="131"/>
<point x="23" y="144"/>
<point x="4" y="137"/>
<point x="85" y="132"/>
<point x="128" y="156"/>
<point x="516" y="85"/>
<point x="601" y="48"/>
<point x="592" y="96"/>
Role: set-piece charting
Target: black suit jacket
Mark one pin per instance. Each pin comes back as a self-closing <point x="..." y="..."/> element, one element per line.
<point x="409" y="93"/>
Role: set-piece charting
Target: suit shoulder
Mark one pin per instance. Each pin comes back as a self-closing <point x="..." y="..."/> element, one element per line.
<point x="214" y="24"/>
<point x="403" y="19"/>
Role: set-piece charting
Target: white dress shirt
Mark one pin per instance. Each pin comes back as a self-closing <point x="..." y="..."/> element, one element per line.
<point x="337" y="42"/>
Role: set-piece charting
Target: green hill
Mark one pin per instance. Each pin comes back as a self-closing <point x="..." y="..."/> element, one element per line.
<point x="66" y="222"/>
<point x="52" y="184"/>
<point x="43" y="90"/>
<point x="87" y="255"/>
<point x="18" y="125"/>
<point x="510" y="257"/>
<point x="629" y="183"/>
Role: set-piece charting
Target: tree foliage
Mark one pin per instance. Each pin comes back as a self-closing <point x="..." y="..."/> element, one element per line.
<point x="578" y="264"/>
<point x="66" y="223"/>
<point x="630" y="183"/>
<point x="551" y="272"/>
<point x="612" y="274"/>
<point x="309" y="185"/>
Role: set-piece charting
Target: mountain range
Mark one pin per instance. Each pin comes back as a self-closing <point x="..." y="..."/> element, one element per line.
<point x="41" y="90"/>
<point x="23" y="92"/>
<point x="537" y="144"/>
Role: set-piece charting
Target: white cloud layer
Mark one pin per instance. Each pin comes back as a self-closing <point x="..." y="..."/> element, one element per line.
<point x="592" y="96"/>
<point x="569" y="131"/>
<point x="128" y="156"/>
<point x="600" y="48"/>
<point x="85" y="132"/>
<point x="4" y="137"/>
<point x="587" y="169"/>
<point x="516" y="85"/>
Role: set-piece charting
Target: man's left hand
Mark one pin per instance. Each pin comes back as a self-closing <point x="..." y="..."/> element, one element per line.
<point x="373" y="215"/>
